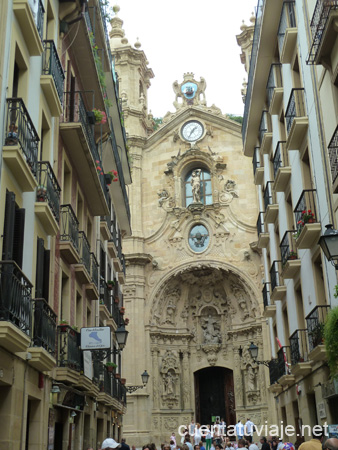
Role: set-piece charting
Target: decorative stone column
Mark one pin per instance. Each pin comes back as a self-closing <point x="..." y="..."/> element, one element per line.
<point x="186" y="381"/>
<point x="155" y="377"/>
<point x="238" y="379"/>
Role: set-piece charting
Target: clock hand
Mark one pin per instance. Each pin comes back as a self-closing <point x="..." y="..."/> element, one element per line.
<point x="191" y="132"/>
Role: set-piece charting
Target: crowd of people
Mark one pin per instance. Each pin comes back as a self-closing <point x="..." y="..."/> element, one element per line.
<point x="215" y="438"/>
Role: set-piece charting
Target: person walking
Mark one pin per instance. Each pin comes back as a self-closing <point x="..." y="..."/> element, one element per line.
<point x="208" y="439"/>
<point x="239" y="430"/>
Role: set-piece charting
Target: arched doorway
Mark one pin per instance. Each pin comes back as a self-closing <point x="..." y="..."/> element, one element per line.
<point x="214" y="395"/>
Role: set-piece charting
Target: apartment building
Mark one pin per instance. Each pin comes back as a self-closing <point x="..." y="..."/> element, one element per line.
<point x="290" y="132"/>
<point x="63" y="211"/>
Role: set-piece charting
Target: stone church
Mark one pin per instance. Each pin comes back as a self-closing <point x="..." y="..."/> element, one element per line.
<point x="194" y="282"/>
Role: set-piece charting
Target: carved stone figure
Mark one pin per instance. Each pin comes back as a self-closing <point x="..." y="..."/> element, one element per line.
<point x="196" y="185"/>
<point x="229" y="192"/>
<point x="251" y="379"/>
<point x="163" y="195"/>
<point x="169" y="384"/>
<point x="211" y="331"/>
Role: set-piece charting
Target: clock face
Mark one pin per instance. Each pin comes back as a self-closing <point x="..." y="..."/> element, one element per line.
<point x="192" y="131"/>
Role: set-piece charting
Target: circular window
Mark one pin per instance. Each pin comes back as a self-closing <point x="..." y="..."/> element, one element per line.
<point x="199" y="238"/>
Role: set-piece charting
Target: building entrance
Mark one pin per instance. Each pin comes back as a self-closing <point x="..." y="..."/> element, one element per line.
<point x="214" y="395"/>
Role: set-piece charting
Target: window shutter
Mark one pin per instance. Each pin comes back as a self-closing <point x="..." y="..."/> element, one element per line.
<point x="7" y="249"/>
<point x="39" y="268"/>
<point x="46" y="266"/>
<point x="19" y="229"/>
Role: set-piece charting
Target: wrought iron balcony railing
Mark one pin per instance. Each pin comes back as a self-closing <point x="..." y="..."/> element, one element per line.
<point x="256" y="160"/>
<point x="38" y="12"/>
<point x="319" y="22"/>
<point x="106" y="296"/>
<point x="69" y="228"/>
<point x="305" y="210"/>
<point x="298" y="347"/>
<point x="260" y="224"/>
<point x="74" y="110"/>
<point x="48" y="188"/>
<point x="21" y="131"/>
<point x="253" y="62"/>
<point x="274" y="80"/>
<point x="265" y="125"/>
<point x="281" y="365"/>
<point x="15" y="296"/>
<point x="315" y="325"/>
<point x="287" y="20"/>
<point x="119" y="244"/>
<point x="288" y="249"/>
<point x="295" y="108"/>
<point x="51" y="65"/>
<point x="94" y="269"/>
<point x="333" y="154"/>
<point x="275" y="275"/>
<point x="84" y="251"/>
<point x="266" y="294"/>
<point x="123" y="260"/>
<point x="281" y="157"/>
<point x="44" y="326"/>
<point x="69" y="352"/>
<point x="268" y="196"/>
<point x="120" y="174"/>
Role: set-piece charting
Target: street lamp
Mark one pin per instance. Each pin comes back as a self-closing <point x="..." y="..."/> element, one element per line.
<point x="329" y="244"/>
<point x="145" y="377"/>
<point x="121" y="336"/>
<point x="253" y="349"/>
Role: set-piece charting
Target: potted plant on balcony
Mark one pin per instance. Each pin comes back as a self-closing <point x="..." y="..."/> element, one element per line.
<point x="110" y="284"/>
<point x="122" y="310"/>
<point x="63" y="325"/>
<point x="12" y="135"/>
<point x="116" y="300"/>
<point x="110" y="177"/>
<point x="292" y="255"/>
<point x="100" y="116"/>
<point x="126" y="321"/>
<point x="111" y="366"/>
<point x="316" y="335"/>
<point x="117" y="376"/>
<point x="41" y="193"/>
<point x="123" y="380"/>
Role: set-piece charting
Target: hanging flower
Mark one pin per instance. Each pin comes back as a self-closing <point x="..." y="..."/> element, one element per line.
<point x="100" y="116"/>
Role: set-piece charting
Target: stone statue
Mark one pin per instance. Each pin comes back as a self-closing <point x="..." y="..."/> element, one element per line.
<point x="251" y="379"/>
<point x="211" y="331"/>
<point x="163" y="195"/>
<point x="196" y="185"/>
<point x="169" y="384"/>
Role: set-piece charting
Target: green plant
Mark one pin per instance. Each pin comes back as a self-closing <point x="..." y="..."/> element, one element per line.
<point x="292" y="255"/>
<point x="111" y="364"/>
<point x="238" y="119"/>
<point x="335" y="294"/>
<point x="100" y="116"/>
<point x="63" y="322"/>
<point x="112" y="282"/>
<point x="331" y="339"/>
<point x="316" y="335"/>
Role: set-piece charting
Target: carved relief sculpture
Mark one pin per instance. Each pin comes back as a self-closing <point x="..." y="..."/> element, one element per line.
<point x="196" y="185"/>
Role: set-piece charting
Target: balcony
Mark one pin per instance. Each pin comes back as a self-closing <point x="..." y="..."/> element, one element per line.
<point x="296" y="119"/>
<point x="82" y="269"/>
<point x="122" y="274"/>
<point x="290" y="260"/>
<point x="69" y="235"/>
<point x="315" y="326"/>
<point x="44" y="332"/>
<point x="112" y="243"/>
<point x="52" y="78"/>
<point x="92" y="288"/>
<point x="69" y="358"/>
<point x="300" y="364"/>
<point x="287" y="32"/>
<point x="265" y="133"/>
<point x="308" y="227"/>
<point x="275" y="89"/>
<point x="106" y="300"/>
<point x="278" y="290"/>
<point x="323" y="27"/>
<point x="47" y="206"/>
<point x="15" y="308"/>
<point x="30" y="20"/>
<point x="269" y="308"/>
<point x="20" y="151"/>
<point x="281" y="168"/>
<point x="257" y="169"/>
<point x="270" y="203"/>
<point x="333" y="155"/>
<point x="280" y="368"/>
<point x="78" y="136"/>
<point x="262" y="231"/>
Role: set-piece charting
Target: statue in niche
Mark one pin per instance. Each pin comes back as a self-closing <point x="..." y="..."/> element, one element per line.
<point x="196" y="185"/>
<point x="251" y="379"/>
<point x="170" y="309"/>
<point x="169" y="384"/>
<point x="211" y="330"/>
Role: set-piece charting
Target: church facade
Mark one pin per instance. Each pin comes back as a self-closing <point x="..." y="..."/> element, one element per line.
<point x="194" y="280"/>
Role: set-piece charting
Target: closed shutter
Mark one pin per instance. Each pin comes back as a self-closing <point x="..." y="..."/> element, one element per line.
<point x="46" y="267"/>
<point x="39" y="268"/>
<point x="7" y="248"/>
<point x="18" y="241"/>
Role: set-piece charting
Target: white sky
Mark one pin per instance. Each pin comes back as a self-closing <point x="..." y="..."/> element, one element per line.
<point x="196" y="36"/>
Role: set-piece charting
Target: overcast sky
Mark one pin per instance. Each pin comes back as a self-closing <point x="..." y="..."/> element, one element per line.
<point x="196" y="36"/>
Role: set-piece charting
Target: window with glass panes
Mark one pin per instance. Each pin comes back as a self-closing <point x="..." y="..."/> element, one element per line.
<point x="206" y="192"/>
